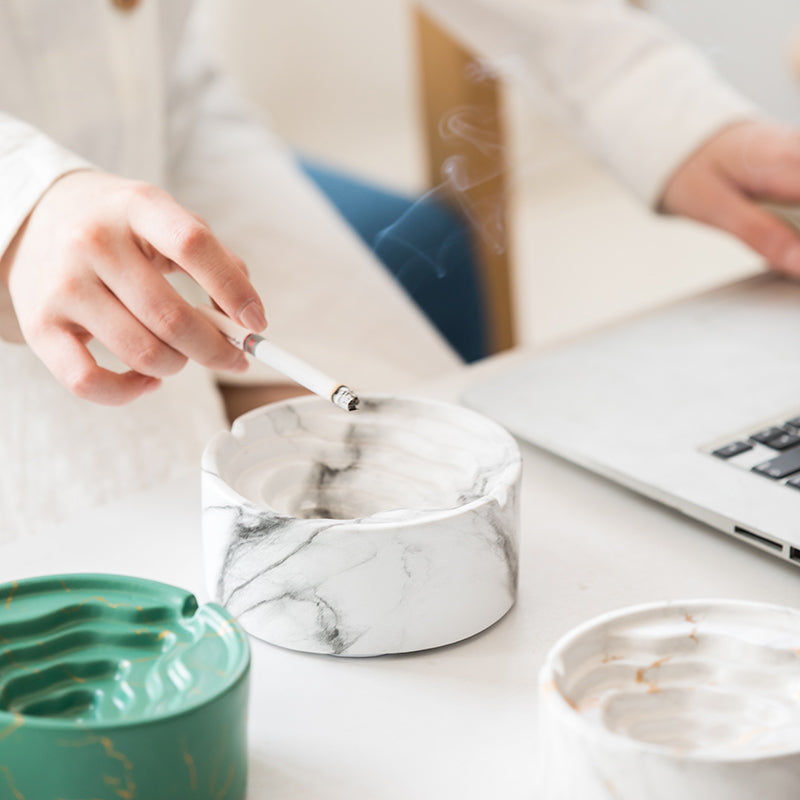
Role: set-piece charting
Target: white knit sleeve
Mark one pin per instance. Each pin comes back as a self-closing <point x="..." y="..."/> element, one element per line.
<point x="637" y="95"/>
<point x="30" y="163"/>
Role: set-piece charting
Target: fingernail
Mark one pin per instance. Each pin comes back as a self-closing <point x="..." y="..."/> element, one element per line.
<point x="252" y="317"/>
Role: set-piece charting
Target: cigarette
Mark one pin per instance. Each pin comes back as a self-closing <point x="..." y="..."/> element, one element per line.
<point x="278" y="358"/>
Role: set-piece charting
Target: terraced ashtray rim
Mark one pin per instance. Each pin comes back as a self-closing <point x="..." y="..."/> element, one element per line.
<point x="370" y="403"/>
<point x="229" y="632"/>
<point x="550" y="673"/>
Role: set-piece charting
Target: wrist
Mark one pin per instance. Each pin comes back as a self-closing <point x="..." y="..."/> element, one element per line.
<point x="9" y="325"/>
<point x="7" y="258"/>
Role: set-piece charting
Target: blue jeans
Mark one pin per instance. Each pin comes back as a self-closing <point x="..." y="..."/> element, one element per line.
<point x="424" y="245"/>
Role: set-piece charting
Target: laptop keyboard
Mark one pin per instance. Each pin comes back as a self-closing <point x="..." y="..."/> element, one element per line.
<point x="773" y="452"/>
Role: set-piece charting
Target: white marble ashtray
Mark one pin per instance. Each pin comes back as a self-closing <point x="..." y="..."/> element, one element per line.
<point x="691" y="700"/>
<point x="388" y="529"/>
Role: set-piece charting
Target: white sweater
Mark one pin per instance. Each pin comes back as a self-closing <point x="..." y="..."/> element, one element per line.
<point x="133" y="93"/>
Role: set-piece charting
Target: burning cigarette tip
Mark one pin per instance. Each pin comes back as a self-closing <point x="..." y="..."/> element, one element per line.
<point x="345" y="398"/>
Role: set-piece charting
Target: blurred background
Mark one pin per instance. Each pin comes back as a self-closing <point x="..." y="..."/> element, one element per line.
<point x="339" y="81"/>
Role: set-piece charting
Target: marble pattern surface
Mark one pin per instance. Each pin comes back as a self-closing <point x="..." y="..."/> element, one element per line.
<point x="387" y="530"/>
<point x="694" y="699"/>
<point x="114" y="686"/>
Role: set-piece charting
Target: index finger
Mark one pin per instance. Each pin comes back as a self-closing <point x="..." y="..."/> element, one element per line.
<point x="187" y="241"/>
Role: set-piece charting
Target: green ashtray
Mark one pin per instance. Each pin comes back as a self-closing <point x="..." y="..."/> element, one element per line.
<point x="117" y="688"/>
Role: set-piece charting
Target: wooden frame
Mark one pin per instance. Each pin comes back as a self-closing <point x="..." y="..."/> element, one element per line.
<point x="455" y="87"/>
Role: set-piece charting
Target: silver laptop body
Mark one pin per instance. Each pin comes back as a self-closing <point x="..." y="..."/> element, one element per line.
<point x="647" y="404"/>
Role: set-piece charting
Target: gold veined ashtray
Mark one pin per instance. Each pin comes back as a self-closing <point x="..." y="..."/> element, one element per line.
<point x="689" y="699"/>
<point x="119" y="687"/>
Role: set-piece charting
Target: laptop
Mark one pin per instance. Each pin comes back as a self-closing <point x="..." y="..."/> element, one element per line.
<point x="696" y="406"/>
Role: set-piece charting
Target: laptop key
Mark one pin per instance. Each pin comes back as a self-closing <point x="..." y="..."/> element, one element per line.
<point x="765" y="436"/>
<point x="794" y="483"/>
<point x="782" y="466"/>
<point x="784" y="441"/>
<point x="794" y="422"/>
<point x="733" y="449"/>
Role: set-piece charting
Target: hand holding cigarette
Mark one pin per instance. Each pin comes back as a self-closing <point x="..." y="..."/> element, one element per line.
<point x="89" y="263"/>
<point x="281" y="360"/>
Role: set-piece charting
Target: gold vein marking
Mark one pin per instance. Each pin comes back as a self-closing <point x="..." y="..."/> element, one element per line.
<point x="129" y="792"/>
<point x="10" y="653"/>
<point x="216" y="763"/>
<point x="190" y="765"/>
<point x="73" y="609"/>
<point x="228" y="782"/>
<point x="207" y="668"/>
<point x="222" y="631"/>
<point x="18" y="722"/>
<point x="70" y="675"/>
<point x="10" y="781"/>
<point x="108" y="602"/>
<point x="652" y="686"/>
<point x="11" y="593"/>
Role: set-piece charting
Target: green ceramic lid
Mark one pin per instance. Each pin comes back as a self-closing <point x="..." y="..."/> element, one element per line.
<point x="124" y="687"/>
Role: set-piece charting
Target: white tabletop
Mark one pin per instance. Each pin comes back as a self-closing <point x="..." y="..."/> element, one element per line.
<point x="460" y="721"/>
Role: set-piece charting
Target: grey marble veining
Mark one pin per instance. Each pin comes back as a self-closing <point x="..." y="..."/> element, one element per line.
<point x="388" y="530"/>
